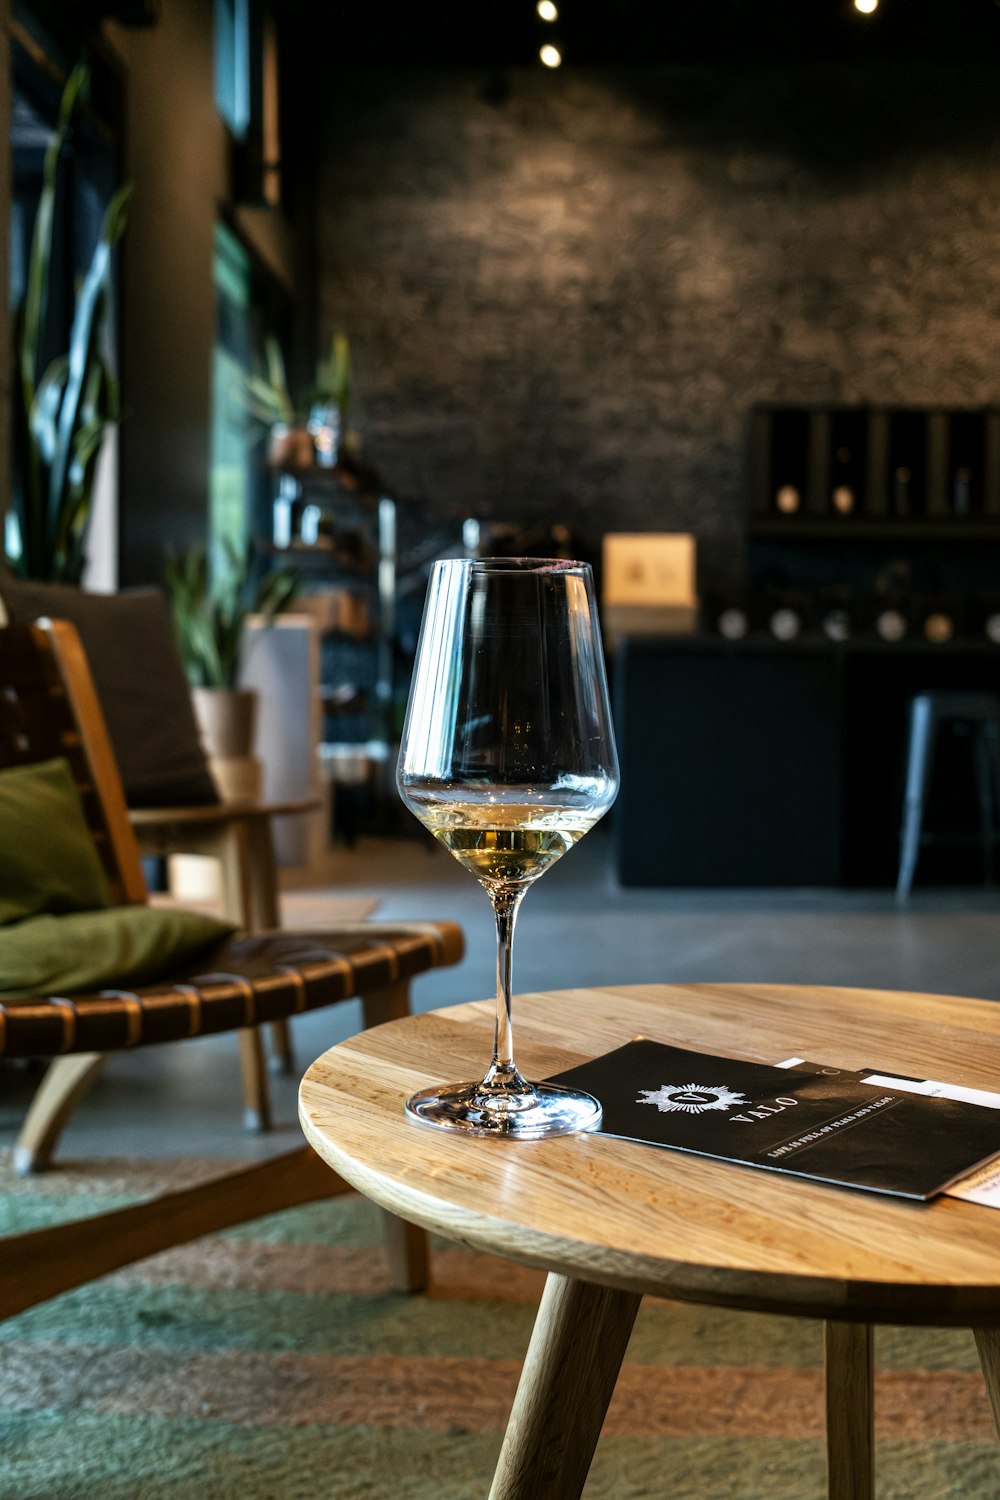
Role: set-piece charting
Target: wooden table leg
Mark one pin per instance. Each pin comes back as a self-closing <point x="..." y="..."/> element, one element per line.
<point x="576" y="1350"/>
<point x="988" y="1344"/>
<point x="408" y="1254"/>
<point x="850" y="1441"/>
<point x="407" y="1247"/>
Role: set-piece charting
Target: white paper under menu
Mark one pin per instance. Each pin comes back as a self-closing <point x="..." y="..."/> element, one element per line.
<point x="982" y="1184"/>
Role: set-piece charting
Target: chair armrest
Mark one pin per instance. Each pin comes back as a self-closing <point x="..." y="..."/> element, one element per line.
<point x="214" y="813"/>
<point x="238" y="834"/>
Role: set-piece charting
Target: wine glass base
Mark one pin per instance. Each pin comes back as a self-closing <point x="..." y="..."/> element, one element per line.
<point x="541" y="1110"/>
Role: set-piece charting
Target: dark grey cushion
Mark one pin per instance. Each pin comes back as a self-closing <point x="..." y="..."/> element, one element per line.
<point x="136" y="664"/>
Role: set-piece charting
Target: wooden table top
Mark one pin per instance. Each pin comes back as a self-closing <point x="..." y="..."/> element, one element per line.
<point x="652" y="1220"/>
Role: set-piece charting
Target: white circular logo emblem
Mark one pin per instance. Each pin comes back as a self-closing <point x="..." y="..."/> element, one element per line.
<point x="690" y="1098"/>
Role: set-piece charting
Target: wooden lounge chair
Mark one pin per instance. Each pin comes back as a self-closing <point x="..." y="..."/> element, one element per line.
<point x="49" y="708"/>
<point x="170" y="789"/>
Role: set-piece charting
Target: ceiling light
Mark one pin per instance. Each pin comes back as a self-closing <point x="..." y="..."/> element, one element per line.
<point x="866" y="7"/>
<point x="551" y="56"/>
<point x="547" y="10"/>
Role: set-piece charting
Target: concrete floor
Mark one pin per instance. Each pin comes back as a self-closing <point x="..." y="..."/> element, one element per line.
<point x="577" y="927"/>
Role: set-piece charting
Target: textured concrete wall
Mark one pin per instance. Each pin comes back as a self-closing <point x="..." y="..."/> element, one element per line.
<point x="564" y="291"/>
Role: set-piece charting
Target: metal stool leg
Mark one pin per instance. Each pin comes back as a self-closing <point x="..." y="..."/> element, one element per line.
<point x="919" y="759"/>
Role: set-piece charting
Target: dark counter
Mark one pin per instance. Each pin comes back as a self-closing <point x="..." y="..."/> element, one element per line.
<point x="756" y="763"/>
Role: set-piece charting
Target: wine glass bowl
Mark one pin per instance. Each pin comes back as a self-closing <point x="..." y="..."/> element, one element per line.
<point x="508" y="758"/>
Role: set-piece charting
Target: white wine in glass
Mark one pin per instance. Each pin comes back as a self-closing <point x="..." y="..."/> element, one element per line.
<point x="508" y="757"/>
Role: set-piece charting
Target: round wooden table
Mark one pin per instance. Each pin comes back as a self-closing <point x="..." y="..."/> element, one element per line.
<point x="610" y="1219"/>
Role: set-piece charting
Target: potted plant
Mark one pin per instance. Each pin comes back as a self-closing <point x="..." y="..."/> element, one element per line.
<point x="62" y="414"/>
<point x="311" y="429"/>
<point x="211" y="608"/>
<point x="330" y="401"/>
<point x="268" y="400"/>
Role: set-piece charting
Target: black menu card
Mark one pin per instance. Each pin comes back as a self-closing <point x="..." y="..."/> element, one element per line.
<point x="816" y="1122"/>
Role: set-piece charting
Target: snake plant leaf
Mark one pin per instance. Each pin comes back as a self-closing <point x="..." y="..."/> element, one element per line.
<point x="40" y="259"/>
<point x="29" y="324"/>
<point x="333" y="378"/>
<point x="45" y="407"/>
<point x="264" y="403"/>
<point x="267" y="397"/>
<point x="99" y="406"/>
<point x="60" y="417"/>
<point x="333" y="375"/>
<point x="71" y="520"/>
<point x="68" y="540"/>
<point x="85" y="341"/>
<point x="277" y="378"/>
<point x="86" y="447"/>
<point x="211" y="607"/>
<point x="276" y="592"/>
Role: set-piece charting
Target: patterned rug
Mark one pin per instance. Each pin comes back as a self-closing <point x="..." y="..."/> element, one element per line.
<point x="271" y="1363"/>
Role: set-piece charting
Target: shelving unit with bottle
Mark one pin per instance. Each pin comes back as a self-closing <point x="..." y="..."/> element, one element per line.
<point x="337" y="525"/>
<point x="870" y="525"/>
<point x="874" y="471"/>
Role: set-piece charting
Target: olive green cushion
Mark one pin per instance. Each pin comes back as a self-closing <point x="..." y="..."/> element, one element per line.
<point x="92" y="950"/>
<point x="48" y="862"/>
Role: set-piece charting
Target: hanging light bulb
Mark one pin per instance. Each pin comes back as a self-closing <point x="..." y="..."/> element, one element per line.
<point x="550" y="56"/>
<point x="866" y="7"/>
<point x="547" y="10"/>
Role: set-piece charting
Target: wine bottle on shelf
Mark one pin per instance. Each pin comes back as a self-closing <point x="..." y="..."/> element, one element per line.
<point x="937" y="491"/>
<point x="877" y="468"/>
<point x="901" y="491"/>
<point x="848" y="459"/>
<point x="785" y="623"/>
<point x="787" y="614"/>
<point x="842" y="498"/>
<point x="966" y="461"/>
<point x="732" y="623"/>
<point x="961" y="492"/>
<point x="788" y="467"/>
<point x="891" y="605"/>
<point x="836" y="625"/>
<point x="939" y="627"/>
<point x="727" y="615"/>
<point x="988" y="613"/>
<point x="991" y="464"/>
<point x="836" y="609"/>
<point x="984" y="618"/>
<point x="891" y="624"/>
<point x="907" y="462"/>
<point x="939" y="620"/>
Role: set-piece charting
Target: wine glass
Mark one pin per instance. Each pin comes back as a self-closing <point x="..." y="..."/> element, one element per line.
<point x="508" y="757"/>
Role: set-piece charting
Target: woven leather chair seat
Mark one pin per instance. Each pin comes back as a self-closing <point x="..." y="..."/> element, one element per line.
<point x="243" y="982"/>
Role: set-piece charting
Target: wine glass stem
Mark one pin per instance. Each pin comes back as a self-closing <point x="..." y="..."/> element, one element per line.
<point x="503" y="1072"/>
